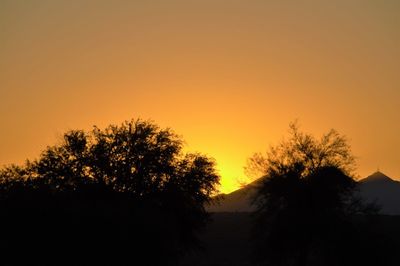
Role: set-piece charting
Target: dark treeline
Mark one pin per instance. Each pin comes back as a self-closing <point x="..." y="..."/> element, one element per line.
<point x="128" y="195"/>
<point x="121" y="196"/>
<point x="308" y="210"/>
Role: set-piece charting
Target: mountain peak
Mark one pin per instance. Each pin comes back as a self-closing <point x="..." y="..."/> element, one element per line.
<point x="377" y="176"/>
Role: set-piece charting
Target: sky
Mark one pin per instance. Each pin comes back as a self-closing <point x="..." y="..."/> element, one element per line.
<point x="226" y="75"/>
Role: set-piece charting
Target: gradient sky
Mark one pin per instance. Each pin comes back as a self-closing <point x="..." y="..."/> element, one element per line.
<point x="227" y="75"/>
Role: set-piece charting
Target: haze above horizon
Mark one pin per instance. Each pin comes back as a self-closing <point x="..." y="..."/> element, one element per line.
<point x="227" y="75"/>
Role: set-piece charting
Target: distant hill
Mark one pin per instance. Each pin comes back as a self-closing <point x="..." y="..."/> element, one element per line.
<point x="378" y="188"/>
<point x="240" y="200"/>
<point x="382" y="190"/>
<point x="237" y="201"/>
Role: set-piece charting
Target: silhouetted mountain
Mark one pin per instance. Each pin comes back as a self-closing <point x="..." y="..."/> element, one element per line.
<point x="237" y="201"/>
<point x="382" y="190"/>
<point x="378" y="188"/>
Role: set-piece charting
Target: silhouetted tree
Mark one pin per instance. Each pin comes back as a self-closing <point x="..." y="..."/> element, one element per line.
<point x="124" y="195"/>
<point x="308" y="213"/>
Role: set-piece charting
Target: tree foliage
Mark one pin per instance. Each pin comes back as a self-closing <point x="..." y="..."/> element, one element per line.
<point x="123" y="195"/>
<point x="331" y="150"/>
<point x="307" y="211"/>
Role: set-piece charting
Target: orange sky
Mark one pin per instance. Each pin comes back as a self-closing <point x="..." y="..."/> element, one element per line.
<point x="227" y="75"/>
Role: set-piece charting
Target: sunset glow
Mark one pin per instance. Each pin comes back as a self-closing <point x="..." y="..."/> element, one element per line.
<point x="228" y="76"/>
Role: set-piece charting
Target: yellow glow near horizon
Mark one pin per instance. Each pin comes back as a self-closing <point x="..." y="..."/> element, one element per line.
<point x="227" y="75"/>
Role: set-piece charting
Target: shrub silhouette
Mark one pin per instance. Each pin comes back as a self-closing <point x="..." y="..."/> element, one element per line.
<point x="307" y="211"/>
<point x="124" y="195"/>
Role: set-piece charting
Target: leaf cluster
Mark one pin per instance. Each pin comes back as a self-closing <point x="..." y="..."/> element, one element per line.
<point x="307" y="208"/>
<point x="127" y="193"/>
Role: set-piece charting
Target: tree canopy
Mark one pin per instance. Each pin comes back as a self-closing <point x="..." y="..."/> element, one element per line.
<point x="332" y="149"/>
<point x="307" y="209"/>
<point x="122" y="195"/>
